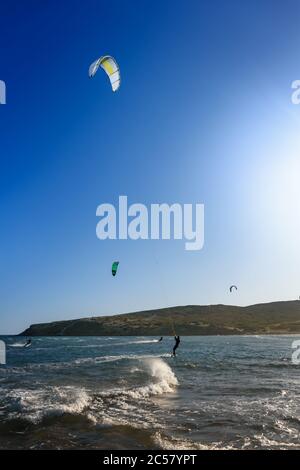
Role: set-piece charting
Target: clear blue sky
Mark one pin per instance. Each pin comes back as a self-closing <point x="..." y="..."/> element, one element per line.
<point x="203" y="115"/>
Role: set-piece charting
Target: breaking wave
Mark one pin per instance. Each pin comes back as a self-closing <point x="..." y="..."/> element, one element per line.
<point x="163" y="381"/>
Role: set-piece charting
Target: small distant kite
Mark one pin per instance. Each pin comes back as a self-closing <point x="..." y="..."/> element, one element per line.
<point x="233" y="288"/>
<point x="110" y="66"/>
<point x="114" y="268"/>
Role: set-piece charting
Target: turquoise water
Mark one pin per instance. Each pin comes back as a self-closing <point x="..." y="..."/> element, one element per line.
<point x="128" y="393"/>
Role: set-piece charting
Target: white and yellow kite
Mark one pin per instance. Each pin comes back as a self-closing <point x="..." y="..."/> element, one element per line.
<point x="110" y="66"/>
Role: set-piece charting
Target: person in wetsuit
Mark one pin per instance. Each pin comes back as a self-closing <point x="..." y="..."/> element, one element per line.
<point x="160" y="339"/>
<point x="177" y="341"/>
<point x="28" y="343"/>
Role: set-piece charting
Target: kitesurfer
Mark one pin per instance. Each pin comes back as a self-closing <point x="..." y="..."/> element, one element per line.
<point x="177" y="341"/>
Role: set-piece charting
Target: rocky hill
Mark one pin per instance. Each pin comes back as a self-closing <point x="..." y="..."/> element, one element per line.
<point x="268" y="318"/>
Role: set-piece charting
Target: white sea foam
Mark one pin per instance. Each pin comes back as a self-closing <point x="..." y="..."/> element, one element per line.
<point x="34" y="405"/>
<point x="144" y="341"/>
<point x="267" y="442"/>
<point x="174" y="443"/>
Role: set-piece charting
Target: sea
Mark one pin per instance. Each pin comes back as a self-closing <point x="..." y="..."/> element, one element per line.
<point x="219" y="392"/>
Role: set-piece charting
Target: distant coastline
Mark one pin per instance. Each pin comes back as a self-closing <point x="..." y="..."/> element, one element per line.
<point x="268" y="318"/>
